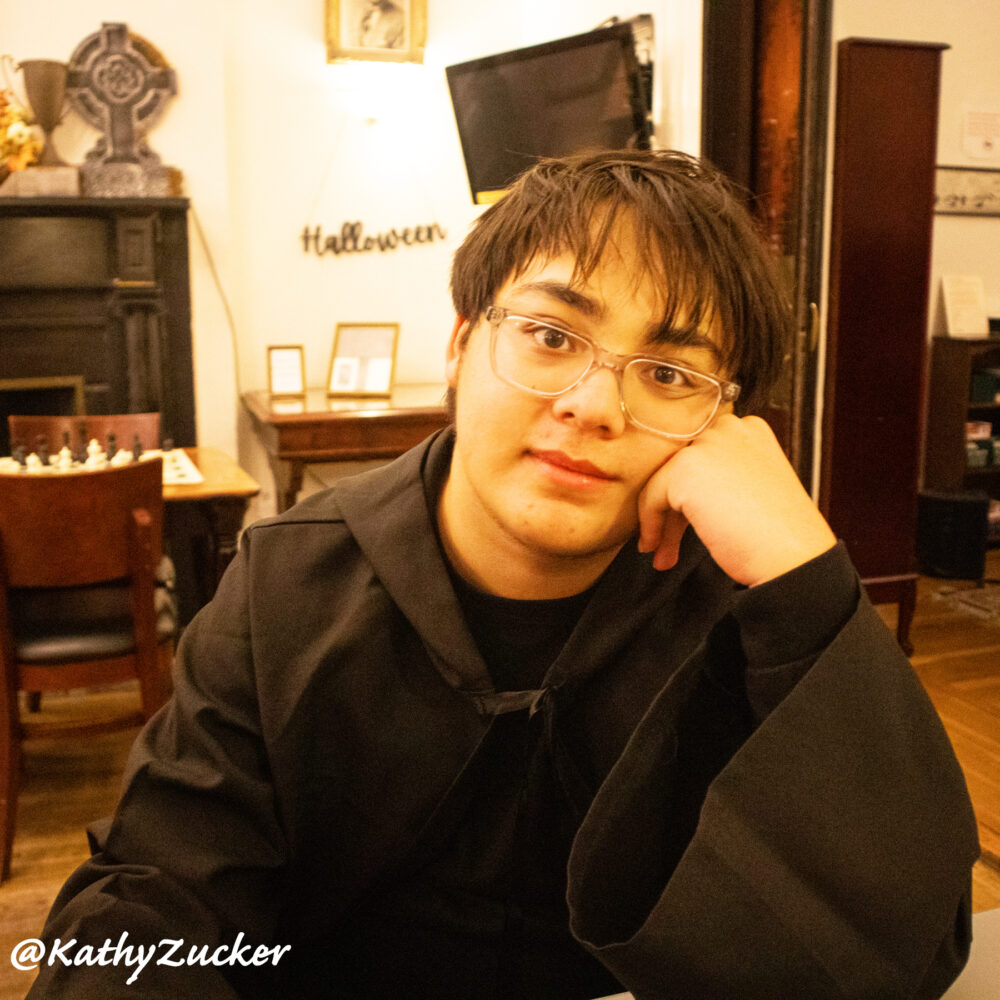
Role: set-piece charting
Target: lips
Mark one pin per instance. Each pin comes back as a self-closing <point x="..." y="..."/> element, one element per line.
<point x="580" y="467"/>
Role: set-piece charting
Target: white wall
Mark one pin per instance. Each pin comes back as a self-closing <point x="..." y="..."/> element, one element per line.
<point x="271" y="138"/>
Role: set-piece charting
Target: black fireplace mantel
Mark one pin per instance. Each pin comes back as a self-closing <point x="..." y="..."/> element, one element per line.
<point x="97" y="291"/>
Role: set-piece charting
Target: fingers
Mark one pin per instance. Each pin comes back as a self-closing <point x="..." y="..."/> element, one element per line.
<point x="668" y="550"/>
<point x="660" y="526"/>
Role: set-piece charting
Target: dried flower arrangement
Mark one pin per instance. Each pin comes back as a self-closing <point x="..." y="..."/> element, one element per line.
<point x="20" y="144"/>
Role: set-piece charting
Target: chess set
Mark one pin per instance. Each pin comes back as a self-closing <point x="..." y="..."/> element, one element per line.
<point x="178" y="469"/>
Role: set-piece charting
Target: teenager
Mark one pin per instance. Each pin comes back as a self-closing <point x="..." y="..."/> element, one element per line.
<point x="579" y="696"/>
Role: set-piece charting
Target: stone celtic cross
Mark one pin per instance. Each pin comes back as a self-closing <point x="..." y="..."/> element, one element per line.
<point x="120" y="84"/>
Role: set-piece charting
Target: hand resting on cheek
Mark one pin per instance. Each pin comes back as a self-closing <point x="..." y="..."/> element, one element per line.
<point x="737" y="490"/>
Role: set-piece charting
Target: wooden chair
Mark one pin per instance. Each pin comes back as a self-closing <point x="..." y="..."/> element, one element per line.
<point x="29" y="429"/>
<point x="79" y="605"/>
<point x="126" y="427"/>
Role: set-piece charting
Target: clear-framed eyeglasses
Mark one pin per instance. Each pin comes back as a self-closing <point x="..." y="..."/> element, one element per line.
<point x="658" y="395"/>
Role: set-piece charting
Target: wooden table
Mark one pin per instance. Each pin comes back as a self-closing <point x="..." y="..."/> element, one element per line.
<point x="201" y="524"/>
<point x="297" y="431"/>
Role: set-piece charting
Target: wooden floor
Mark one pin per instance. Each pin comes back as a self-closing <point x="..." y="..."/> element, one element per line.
<point x="66" y="785"/>
<point x="957" y="656"/>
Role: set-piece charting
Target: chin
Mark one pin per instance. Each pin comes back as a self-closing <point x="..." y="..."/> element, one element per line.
<point x="564" y="536"/>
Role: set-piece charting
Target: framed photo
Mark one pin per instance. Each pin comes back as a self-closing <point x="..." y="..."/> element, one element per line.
<point x="390" y="30"/>
<point x="363" y="359"/>
<point x="967" y="191"/>
<point x="286" y="370"/>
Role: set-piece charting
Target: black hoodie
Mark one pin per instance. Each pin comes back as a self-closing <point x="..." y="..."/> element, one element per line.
<point x="761" y="801"/>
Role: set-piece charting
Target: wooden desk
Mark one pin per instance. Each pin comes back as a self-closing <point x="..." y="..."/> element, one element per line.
<point x="299" y="431"/>
<point x="201" y="525"/>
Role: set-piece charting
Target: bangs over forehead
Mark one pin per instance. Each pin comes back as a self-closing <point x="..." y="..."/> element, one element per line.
<point x="687" y="229"/>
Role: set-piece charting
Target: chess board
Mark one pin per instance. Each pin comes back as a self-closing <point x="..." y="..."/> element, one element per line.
<point x="178" y="469"/>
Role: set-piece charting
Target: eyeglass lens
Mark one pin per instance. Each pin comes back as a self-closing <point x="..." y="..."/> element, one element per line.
<point x="657" y="394"/>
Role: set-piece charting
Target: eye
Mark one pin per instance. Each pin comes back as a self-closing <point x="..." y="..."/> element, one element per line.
<point x="554" y="339"/>
<point x="669" y="381"/>
<point x="670" y="377"/>
<point x="549" y="338"/>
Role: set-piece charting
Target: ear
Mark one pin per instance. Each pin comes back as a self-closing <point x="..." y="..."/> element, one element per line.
<point x="455" y="348"/>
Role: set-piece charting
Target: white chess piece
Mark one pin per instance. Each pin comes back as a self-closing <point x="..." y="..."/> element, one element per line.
<point x="121" y="458"/>
<point x="64" y="460"/>
<point x="33" y="463"/>
<point x="96" y="458"/>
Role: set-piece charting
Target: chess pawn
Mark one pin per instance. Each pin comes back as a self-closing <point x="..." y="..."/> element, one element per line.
<point x="64" y="459"/>
<point x="42" y="449"/>
<point x="95" y="454"/>
<point x="136" y="449"/>
<point x="112" y="445"/>
<point x="33" y="463"/>
<point x="81" y="455"/>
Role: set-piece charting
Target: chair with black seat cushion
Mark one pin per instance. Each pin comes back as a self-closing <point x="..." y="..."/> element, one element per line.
<point x="79" y="603"/>
<point x="28" y="429"/>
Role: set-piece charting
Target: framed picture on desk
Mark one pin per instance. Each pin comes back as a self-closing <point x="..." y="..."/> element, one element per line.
<point x="363" y="359"/>
<point x="286" y="370"/>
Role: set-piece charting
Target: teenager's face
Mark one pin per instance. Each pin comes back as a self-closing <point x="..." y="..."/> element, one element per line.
<point x="557" y="476"/>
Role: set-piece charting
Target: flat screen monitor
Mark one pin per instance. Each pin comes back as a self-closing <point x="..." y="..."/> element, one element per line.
<point x="567" y="96"/>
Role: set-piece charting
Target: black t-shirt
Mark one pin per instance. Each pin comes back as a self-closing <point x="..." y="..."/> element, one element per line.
<point x="480" y="913"/>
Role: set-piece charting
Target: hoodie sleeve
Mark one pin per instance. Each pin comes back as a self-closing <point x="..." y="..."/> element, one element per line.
<point x="786" y="623"/>
<point x="833" y="849"/>
<point x="192" y="854"/>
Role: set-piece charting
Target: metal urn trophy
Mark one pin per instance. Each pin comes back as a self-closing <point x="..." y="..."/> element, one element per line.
<point x="45" y="89"/>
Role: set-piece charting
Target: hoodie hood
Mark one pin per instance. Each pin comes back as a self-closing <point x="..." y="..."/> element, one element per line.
<point x="389" y="511"/>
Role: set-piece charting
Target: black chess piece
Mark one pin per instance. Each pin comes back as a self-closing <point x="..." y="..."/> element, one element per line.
<point x="42" y="449"/>
<point x="81" y="454"/>
<point x="112" y="449"/>
<point x="168" y="444"/>
<point x="136" y="449"/>
<point x="18" y="454"/>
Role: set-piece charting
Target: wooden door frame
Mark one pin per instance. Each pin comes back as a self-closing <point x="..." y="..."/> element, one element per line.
<point x="734" y="47"/>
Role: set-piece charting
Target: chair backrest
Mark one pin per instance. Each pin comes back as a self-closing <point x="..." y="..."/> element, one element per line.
<point x="72" y="529"/>
<point x="25" y="429"/>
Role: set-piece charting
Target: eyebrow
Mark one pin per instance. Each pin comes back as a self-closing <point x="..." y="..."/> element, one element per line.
<point x="657" y="335"/>
<point x="682" y="336"/>
<point x="572" y="297"/>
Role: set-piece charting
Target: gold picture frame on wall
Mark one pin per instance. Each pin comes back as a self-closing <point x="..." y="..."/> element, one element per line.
<point x="363" y="360"/>
<point x="286" y="370"/>
<point x="387" y="30"/>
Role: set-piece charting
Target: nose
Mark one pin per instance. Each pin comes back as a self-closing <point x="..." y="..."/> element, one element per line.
<point x="595" y="403"/>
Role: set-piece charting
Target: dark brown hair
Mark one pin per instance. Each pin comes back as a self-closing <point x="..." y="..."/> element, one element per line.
<point x="692" y="233"/>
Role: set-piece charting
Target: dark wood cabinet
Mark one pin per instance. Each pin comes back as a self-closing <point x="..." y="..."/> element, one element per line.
<point x="885" y="146"/>
<point x="963" y="389"/>
<point x="94" y="295"/>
